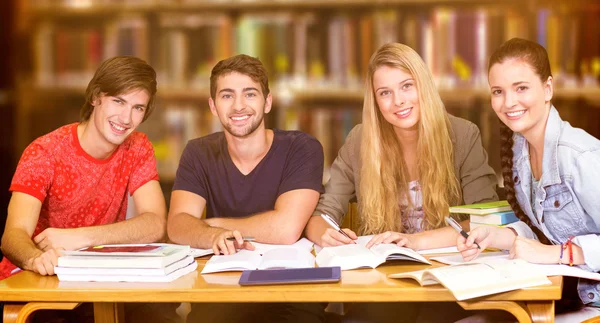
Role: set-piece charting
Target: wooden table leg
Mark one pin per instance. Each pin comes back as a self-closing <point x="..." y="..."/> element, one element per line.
<point x="109" y="313"/>
<point x="541" y="311"/>
<point x="21" y="313"/>
<point x="514" y="308"/>
<point x="536" y="312"/>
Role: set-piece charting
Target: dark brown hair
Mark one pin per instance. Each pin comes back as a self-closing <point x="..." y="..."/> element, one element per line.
<point x="119" y="75"/>
<point x="536" y="56"/>
<point x="243" y="64"/>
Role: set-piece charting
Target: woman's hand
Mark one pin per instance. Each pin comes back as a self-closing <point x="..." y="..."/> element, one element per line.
<point x="332" y="238"/>
<point x="402" y="240"/>
<point x="483" y="236"/>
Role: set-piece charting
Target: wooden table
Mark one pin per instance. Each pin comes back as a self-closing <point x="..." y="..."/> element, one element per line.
<point x="372" y="285"/>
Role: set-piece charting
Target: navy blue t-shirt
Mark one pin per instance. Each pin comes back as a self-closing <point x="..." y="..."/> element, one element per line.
<point x="294" y="161"/>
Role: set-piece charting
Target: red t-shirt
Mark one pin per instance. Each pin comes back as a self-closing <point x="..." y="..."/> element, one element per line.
<point x="77" y="190"/>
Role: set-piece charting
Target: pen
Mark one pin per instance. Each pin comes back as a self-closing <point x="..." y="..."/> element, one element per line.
<point x="335" y="226"/>
<point x="451" y="222"/>
<point x="249" y="239"/>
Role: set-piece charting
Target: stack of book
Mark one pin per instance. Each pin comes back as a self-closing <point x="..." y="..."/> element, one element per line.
<point x="126" y="263"/>
<point x="487" y="214"/>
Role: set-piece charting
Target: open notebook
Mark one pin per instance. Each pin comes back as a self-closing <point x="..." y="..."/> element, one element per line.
<point x="303" y="243"/>
<point x="357" y="255"/>
<point x="265" y="256"/>
<point x="548" y="270"/>
<point x="285" y="257"/>
<point x="470" y="280"/>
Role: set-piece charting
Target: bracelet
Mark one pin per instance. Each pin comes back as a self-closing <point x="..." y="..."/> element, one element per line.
<point x="570" y="244"/>
<point x="562" y="249"/>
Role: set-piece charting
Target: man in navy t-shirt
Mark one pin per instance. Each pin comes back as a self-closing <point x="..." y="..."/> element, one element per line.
<point x="252" y="181"/>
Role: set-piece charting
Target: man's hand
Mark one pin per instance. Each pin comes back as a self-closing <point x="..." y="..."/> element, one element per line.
<point x="45" y="262"/>
<point x="332" y="238"/>
<point x="467" y="247"/>
<point x="68" y="239"/>
<point x="534" y="251"/>
<point x="402" y="240"/>
<point x="221" y="245"/>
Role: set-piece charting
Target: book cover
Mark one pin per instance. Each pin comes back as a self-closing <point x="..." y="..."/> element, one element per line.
<point x="482" y="208"/>
<point x="131" y="250"/>
<point x="163" y="255"/>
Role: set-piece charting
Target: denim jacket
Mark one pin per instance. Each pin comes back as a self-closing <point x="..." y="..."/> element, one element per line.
<point x="567" y="201"/>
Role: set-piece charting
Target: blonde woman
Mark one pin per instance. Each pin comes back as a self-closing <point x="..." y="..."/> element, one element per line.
<point x="406" y="164"/>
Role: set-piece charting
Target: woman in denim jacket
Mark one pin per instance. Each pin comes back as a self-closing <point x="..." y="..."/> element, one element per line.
<point x="551" y="174"/>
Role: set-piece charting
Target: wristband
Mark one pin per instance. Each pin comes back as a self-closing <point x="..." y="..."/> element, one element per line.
<point x="570" y="244"/>
<point x="562" y="249"/>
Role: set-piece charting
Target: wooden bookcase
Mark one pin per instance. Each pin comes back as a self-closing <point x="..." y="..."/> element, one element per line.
<point x="316" y="52"/>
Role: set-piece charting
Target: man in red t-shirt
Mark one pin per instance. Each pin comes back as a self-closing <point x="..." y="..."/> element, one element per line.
<point x="71" y="186"/>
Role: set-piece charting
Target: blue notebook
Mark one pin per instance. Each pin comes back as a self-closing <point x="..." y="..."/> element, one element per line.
<point x="290" y="276"/>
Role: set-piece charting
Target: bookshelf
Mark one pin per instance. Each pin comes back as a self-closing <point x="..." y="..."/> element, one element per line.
<point x="316" y="53"/>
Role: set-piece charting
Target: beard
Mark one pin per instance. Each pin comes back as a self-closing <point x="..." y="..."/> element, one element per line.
<point x="241" y="132"/>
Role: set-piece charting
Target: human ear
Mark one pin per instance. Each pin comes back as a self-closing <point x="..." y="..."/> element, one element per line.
<point x="548" y="89"/>
<point x="213" y="108"/>
<point x="268" y="103"/>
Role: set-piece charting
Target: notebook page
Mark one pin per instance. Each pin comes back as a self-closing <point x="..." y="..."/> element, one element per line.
<point x="287" y="258"/>
<point x="303" y="244"/>
<point x="347" y="257"/>
<point x="241" y="260"/>
<point x="393" y="252"/>
<point x="482" y="258"/>
<point x="495" y="276"/>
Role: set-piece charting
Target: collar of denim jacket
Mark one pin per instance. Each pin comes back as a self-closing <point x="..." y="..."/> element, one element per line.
<point x="550" y="170"/>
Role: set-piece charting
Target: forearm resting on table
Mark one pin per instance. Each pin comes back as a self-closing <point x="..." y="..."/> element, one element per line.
<point x="267" y="227"/>
<point x="438" y="238"/>
<point x="145" y="228"/>
<point x="186" y="229"/>
<point x="18" y="247"/>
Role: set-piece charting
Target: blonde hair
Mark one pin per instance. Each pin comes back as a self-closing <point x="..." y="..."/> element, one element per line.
<point x="384" y="174"/>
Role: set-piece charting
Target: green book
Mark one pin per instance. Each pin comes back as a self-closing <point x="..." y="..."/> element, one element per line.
<point x="481" y="208"/>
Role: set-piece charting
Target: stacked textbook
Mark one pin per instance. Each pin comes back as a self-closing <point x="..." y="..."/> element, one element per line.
<point x="126" y="263"/>
<point x="487" y="214"/>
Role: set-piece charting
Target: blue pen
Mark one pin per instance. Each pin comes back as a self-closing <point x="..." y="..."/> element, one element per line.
<point x="451" y="222"/>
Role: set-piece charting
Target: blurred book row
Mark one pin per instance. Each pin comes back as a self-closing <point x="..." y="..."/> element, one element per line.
<point x="331" y="49"/>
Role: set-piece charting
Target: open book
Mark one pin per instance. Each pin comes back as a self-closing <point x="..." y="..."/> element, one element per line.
<point x="284" y="257"/>
<point x="471" y="280"/>
<point x="548" y="270"/>
<point x="357" y="255"/>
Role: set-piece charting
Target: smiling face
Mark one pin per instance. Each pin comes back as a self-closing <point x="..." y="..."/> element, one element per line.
<point x="239" y="104"/>
<point x="397" y="97"/>
<point x="519" y="97"/>
<point x="116" y="117"/>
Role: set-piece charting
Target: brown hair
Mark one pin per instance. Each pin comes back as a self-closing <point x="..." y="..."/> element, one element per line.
<point x="243" y="64"/>
<point x="119" y="75"/>
<point x="536" y="56"/>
